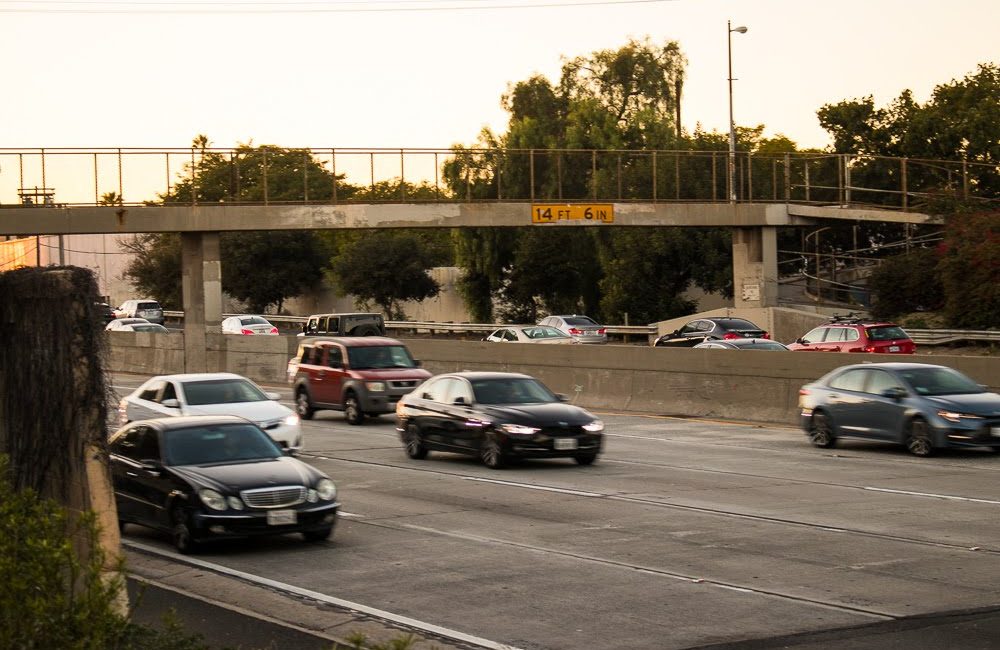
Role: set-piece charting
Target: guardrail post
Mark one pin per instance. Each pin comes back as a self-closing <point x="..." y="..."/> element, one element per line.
<point x="847" y="180"/>
<point x="902" y="173"/>
<point x="805" y="165"/>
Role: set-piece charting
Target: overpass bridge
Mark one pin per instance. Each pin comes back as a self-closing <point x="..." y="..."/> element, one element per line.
<point x="487" y="188"/>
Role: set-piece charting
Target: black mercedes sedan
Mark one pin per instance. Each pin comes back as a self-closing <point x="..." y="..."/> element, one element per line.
<point x="216" y="477"/>
<point x="497" y="416"/>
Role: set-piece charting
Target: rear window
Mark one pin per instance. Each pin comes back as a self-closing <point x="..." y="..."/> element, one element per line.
<point x="886" y="333"/>
<point x="253" y="320"/>
<point x="736" y="324"/>
<point x="579" y="320"/>
<point x="148" y="305"/>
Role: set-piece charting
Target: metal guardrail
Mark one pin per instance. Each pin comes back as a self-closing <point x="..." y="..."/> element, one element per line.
<point x="919" y="336"/>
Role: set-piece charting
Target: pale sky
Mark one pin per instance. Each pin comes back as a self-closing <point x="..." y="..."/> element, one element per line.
<point x="299" y="74"/>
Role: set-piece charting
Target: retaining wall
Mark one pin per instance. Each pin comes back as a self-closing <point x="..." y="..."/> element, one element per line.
<point x="730" y="384"/>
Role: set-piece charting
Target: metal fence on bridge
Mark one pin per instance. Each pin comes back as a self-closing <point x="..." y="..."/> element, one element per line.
<point x="273" y="175"/>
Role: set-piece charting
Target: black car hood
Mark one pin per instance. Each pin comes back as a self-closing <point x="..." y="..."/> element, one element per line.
<point x="234" y="477"/>
<point x="541" y="415"/>
<point x="985" y="404"/>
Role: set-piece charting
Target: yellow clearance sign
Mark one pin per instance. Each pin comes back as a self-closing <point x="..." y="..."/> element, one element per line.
<point x="553" y="212"/>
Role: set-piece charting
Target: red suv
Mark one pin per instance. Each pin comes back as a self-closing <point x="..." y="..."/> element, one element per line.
<point x="361" y="376"/>
<point x="852" y="334"/>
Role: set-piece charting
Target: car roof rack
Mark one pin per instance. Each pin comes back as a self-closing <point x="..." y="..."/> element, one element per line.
<point x="850" y="318"/>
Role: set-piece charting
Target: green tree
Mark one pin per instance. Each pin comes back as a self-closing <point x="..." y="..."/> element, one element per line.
<point x="906" y="283"/>
<point x="155" y="268"/>
<point x="266" y="268"/>
<point x="970" y="270"/>
<point x="385" y="268"/>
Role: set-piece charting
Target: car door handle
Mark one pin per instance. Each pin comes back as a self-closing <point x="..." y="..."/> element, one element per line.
<point x="131" y="474"/>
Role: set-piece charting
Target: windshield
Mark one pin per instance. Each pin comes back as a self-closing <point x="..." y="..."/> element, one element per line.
<point x="227" y="443"/>
<point x="939" y="381"/>
<point x="380" y="356"/>
<point x="222" y="391"/>
<point x="543" y="332"/>
<point x="511" y="391"/>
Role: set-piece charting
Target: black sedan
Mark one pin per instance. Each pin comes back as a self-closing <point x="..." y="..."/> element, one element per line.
<point x="216" y="477"/>
<point x="922" y="406"/>
<point x="497" y="416"/>
<point x="711" y="329"/>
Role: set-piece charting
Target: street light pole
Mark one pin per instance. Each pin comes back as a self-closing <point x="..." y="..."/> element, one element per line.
<point x="731" y="167"/>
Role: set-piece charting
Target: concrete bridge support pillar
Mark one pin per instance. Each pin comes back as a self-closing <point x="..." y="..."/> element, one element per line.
<point x="755" y="267"/>
<point x="201" y="286"/>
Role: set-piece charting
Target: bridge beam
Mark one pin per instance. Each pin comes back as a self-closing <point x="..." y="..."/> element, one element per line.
<point x="201" y="288"/>
<point x="755" y="267"/>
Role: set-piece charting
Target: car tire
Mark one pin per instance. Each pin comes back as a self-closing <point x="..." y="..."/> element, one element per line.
<point x="181" y="534"/>
<point x="415" y="449"/>
<point x="585" y="459"/>
<point x="491" y="453"/>
<point x="821" y="431"/>
<point x="319" y="535"/>
<point x="352" y="409"/>
<point x="918" y="438"/>
<point x="303" y="405"/>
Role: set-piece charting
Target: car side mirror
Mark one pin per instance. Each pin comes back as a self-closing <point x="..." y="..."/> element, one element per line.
<point x="425" y="396"/>
<point x="417" y="363"/>
<point x="459" y="401"/>
<point x="800" y="341"/>
<point x="562" y="397"/>
<point x="894" y="393"/>
<point x="171" y="403"/>
<point x="273" y="396"/>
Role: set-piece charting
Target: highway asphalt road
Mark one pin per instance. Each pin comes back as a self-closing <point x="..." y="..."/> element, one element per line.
<point x="685" y="533"/>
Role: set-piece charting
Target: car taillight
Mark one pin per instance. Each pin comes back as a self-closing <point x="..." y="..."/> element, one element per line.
<point x="602" y="331"/>
<point x="575" y="331"/>
<point x="246" y="331"/>
<point x="765" y="335"/>
<point x="803" y="391"/>
<point x="870" y="348"/>
<point x="731" y="335"/>
<point x="274" y="330"/>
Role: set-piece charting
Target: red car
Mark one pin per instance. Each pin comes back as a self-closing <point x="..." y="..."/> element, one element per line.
<point x="851" y="334"/>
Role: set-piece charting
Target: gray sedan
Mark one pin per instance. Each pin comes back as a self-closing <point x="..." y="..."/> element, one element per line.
<point x="922" y="406"/>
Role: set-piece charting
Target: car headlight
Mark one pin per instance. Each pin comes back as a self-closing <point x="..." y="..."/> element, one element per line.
<point x="375" y="386"/>
<point x="594" y="427"/>
<point x="292" y="420"/>
<point x="326" y="490"/>
<point x="212" y="499"/>
<point x="954" y="416"/>
<point x="519" y="429"/>
<point x="235" y="503"/>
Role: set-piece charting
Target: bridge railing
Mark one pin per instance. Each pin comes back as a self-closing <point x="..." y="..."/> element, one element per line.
<point x="274" y="176"/>
<point x="639" y="333"/>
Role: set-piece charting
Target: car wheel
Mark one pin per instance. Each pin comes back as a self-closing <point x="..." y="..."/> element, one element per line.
<point x="585" y="459"/>
<point x="821" y="431"/>
<point x="414" y="447"/>
<point x="302" y="404"/>
<point x="491" y="453"/>
<point x="320" y="535"/>
<point x="352" y="410"/>
<point x="918" y="438"/>
<point x="183" y="540"/>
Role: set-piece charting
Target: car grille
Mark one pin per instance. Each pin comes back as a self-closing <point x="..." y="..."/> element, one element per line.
<point x="274" y="497"/>
<point x="561" y="432"/>
<point x="403" y="383"/>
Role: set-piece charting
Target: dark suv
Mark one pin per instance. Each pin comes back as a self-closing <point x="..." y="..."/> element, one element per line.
<point x="853" y="334"/>
<point x="344" y="325"/>
<point x="362" y="377"/>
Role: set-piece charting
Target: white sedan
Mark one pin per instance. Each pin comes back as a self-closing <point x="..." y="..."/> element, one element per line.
<point x="529" y="334"/>
<point x="248" y="325"/>
<point x="213" y="393"/>
<point x="121" y="324"/>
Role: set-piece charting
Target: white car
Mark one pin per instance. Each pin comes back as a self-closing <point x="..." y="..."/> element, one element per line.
<point x="213" y="393"/>
<point x="121" y="324"/>
<point x="248" y="325"/>
<point x="529" y="334"/>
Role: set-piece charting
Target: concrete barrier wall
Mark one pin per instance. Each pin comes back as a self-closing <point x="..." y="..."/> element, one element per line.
<point x="727" y="384"/>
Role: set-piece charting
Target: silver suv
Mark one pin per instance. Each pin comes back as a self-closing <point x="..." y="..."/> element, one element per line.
<point x="146" y="308"/>
<point x="583" y="329"/>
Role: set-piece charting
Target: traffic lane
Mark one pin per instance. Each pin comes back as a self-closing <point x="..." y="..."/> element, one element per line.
<point x="763" y="558"/>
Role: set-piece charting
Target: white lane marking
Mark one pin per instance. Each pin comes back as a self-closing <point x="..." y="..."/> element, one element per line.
<point x="315" y="595"/>
<point x="349" y="515"/>
<point x="931" y="495"/>
<point x="535" y="487"/>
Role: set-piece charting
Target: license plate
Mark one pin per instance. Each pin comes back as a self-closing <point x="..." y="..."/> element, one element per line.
<point x="564" y="443"/>
<point x="893" y="348"/>
<point x="280" y="517"/>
